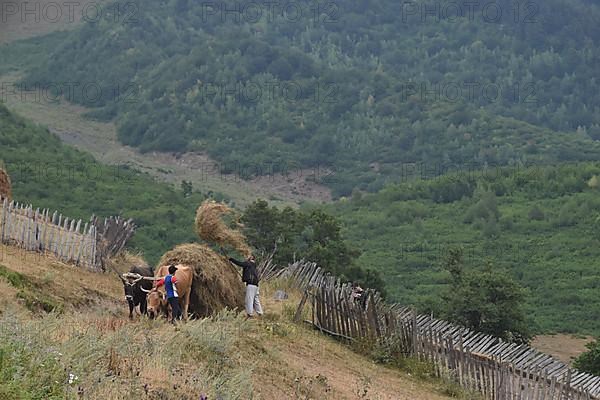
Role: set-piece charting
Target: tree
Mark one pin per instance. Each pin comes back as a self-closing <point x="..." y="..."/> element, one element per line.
<point x="261" y="226"/>
<point x="590" y="360"/>
<point x="312" y="235"/>
<point x="486" y="208"/>
<point x="487" y="300"/>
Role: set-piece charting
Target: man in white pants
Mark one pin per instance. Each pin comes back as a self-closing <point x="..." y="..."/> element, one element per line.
<point x="250" y="278"/>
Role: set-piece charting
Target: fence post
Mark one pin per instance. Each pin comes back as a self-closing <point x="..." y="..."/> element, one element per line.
<point x="414" y="333"/>
<point x="301" y="306"/>
<point x="313" y="299"/>
<point x="566" y="387"/>
<point x="4" y="218"/>
<point x="451" y="355"/>
<point x="93" y="245"/>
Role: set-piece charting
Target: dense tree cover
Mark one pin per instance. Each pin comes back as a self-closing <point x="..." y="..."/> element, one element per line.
<point x="590" y="360"/>
<point x="313" y="236"/>
<point x="362" y="87"/>
<point x="486" y="300"/>
<point x="540" y="224"/>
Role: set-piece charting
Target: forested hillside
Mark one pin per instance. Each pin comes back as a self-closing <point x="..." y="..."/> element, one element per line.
<point x="361" y="87"/>
<point x="542" y="225"/>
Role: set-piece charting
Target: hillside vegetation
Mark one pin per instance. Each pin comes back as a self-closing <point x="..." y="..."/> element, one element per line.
<point x="539" y="224"/>
<point x="49" y="174"/>
<point x="91" y="350"/>
<point x="359" y="88"/>
<point x="338" y="84"/>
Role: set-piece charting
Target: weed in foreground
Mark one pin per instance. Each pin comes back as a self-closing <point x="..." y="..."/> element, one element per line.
<point x="91" y="356"/>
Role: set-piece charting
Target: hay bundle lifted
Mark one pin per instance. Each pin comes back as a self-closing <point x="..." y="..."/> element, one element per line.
<point x="124" y="261"/>
<point x="216" y="282"/>
<point x="5" y="185"/>
<point x="211" y="227"/>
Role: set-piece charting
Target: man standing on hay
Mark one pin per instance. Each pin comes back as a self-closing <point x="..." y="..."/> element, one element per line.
<point x="250" y="278"/>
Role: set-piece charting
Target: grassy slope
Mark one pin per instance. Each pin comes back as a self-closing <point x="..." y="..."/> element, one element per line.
<point x="117" y="359"/>
<point x="554" y="257"/>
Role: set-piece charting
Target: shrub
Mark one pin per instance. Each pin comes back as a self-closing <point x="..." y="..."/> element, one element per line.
<point x="590" y="360"/>
<point x="536" y="214"/>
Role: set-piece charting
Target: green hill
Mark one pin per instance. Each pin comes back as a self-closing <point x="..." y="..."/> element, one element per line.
<point x="540" y="224"/>
<point x="49" y="174"/>
<point x="345" y="85"/>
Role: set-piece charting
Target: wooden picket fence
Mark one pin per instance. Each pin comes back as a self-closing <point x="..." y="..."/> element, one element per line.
<point x="486" y="364"/>
<point x="71" y="241"/>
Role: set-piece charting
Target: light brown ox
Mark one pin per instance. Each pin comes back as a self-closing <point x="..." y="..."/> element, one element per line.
<point x="157" y="302"/>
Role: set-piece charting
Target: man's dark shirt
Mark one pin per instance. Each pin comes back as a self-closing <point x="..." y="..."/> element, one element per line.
<point x="249" y="274"/>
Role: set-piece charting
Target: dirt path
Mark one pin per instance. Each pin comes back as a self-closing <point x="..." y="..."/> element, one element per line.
<point x="311" y="366"/>
<point x="561" y="346"/>
<point x="296" y="362"/>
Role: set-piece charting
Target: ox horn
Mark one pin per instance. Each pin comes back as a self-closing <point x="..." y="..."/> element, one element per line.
<point x="144" y="290"/>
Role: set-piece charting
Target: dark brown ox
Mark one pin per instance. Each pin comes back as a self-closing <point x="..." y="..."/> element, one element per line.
<point x="136" y="287"/>
<point x="157" y="301"/>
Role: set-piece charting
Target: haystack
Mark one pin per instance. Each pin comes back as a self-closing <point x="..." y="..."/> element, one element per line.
<point x="5" y="186"/>
<point x="216" y="285"/>
<point x="211" y="227"/>
<point x="125" y="261"/>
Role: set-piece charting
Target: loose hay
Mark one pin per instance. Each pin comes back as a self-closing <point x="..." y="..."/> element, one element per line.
<point x="216" y="283"/>
<point x="125" y="261"/>
<point x="5" y="185"/>
<point x="211" y="227"/>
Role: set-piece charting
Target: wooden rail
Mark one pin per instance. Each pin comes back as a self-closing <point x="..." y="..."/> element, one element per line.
<point x="497" y="369"/>
<point x="71" y="241"/>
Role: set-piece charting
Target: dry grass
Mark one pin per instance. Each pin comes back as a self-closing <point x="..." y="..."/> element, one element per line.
<point x="115" y="360"/>
<point x="224" y="356"/>
<point x="5" y="185"/>
<point x="216" y="282"/>
<point x="71" y="286"/>
<point x="562" y="346"/>
<point x="294" y="361"/>
<point x="211" y="227"/>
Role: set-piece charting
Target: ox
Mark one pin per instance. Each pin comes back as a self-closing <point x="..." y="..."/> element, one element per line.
<point x="135" y="286"/>
<point x="157" y="302"/>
